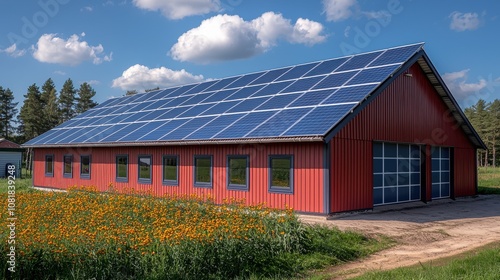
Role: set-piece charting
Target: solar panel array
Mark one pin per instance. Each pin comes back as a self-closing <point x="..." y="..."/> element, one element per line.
<point x="303" y="100"/>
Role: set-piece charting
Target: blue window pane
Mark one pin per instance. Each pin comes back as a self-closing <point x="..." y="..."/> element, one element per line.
<point x="297" y="71"/>
<point x="303" y="84"/>
<point x="415" y="192"/>
<point x="415" y="165"/>
<point x="221" y="84"/>
<point x="445" y="152"/>
<point x="244" y="92"/>
<point x="195" y="110"/>
<point x="378" y="165"/>
<point x="415" y="178"/>
<point x="403" y="193"/>
<point x="403" y="165"/>
<point x="162" y="130"/>
<point x="153" y="115"/>
<point x="248" y="105"/>
<point x="186" y="129"/>
<point x="326" y="67"/>
<point x="350" y="94"/>
<point x="396" y="55"/>
<point x="378" y="149"/>
<point x="141" y="131"/>
<point x="435" y="165"/>
<point x="122" y="132"/>
<point x="390" y="150"/>
<point x="104" y="132"/>
<point x="270" y="76"/>
<point x="359" y="61"/>
<point x="220" y="95"/>
<point x="335" y="80"/>
<point x="445" y="190"/>
<point x="221" y="107"/>
<point x="279" y="101"/>
<point x="403" y="151"/>
<point x="415" y="152"/>
<point x="319" y="121"/>
<point x="445" y="164"/>
<point x="197" y="99"/>
<point x="373" y="75"/>
<point x="436" y="177"/>
<point x="436" y="190"/>
<point x="272" y="89"/>
<point x="390" y="165"/>
<point x="378" y="196"/>
<point x="403" y="179"/>
<point x="390" y="195"/>
<point x="312" y="98"/>
<point x="378" y="180"/>
<point x="214" y="127"/>
<point x="200" y="87"/>
<point x="279" y="123"/>
<point x="244" y="125"/>
<point x="245" y="80"/>
<point x="445" y="177"/>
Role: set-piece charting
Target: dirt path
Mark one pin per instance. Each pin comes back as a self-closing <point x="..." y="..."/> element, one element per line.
<point x="423" y="232"/>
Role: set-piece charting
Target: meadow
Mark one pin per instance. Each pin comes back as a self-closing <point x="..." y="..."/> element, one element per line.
<point x="489" y="180"/>
<point x="83" y="234"/>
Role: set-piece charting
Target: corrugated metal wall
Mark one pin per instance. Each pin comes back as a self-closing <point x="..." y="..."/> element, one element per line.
<point x="308" y="171"/>
<point x="10" y="157"/>
<point x="408" y="111"/>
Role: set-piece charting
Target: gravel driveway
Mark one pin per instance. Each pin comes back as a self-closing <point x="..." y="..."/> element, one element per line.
<point x="423" y="232"/>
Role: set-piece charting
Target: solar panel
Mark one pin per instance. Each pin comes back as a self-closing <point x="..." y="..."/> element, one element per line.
<point x="302" y="100"/>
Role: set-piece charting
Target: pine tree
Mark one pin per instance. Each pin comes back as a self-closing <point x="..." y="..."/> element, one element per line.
<point x="49" y="104"/>
<point x="67" y="101"/>
<point x="31" y="114"/>
<point x="7" y="112"/>
<point x="84" y="99"/>
<point x="494" y="121"/>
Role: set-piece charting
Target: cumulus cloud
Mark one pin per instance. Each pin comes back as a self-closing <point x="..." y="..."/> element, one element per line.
<point x="52" y="49"/>
<point x="13" y="51"/>
<point x="178" y="9"/>
<point x="462" y="22"/>
<point x="226" y="37"/>
<point x="338" y="10"/>
<point x="141" y="77"/>
<point x="457" y="83"/>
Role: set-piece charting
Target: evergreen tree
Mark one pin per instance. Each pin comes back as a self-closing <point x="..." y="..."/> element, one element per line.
<point x="49" y="104"/>
<point x="7" y="112"/>
<point x="31" y="114"/>
<point x="67" y="101"/>
<point x="84" y="99"/>
<point x="494" y="115"/>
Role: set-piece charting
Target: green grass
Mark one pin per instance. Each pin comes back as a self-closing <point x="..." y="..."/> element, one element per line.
<point x="22" y="185"/>
<point x="480" y="264"/>
<point x="489" y="180"/>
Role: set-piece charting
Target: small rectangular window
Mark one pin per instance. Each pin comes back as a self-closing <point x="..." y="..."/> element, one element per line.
<point x="170" y="170"/>
<point x="281" y="174"/>
<point x="122" y="168"/>
<point x="68" y="166"/>
<point x="237" y="172"/>
<point x="85" y="167"/>
<point x="144" y="163"/>
<point x="203" y="171"/>
<point x="49" y="165"/>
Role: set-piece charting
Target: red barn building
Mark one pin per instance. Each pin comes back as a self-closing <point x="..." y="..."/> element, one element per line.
<point x="338" y="135"/>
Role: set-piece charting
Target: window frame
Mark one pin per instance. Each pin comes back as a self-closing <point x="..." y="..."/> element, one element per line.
<point x="117" y="178"/>
<point x="168" y="181"/>
<point x="82" y="175"/>
<point x="145" y="180"/>
<point x="238" y="187"/>
<point x="278" y="189"/>
<point x="49" y="174"/>
<point x="66" y="174"/>
<point x="203" y="184"/>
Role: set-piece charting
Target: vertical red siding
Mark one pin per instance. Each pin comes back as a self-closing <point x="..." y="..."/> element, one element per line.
<point x="308" y="172"/>
<point x="408" y="111"/>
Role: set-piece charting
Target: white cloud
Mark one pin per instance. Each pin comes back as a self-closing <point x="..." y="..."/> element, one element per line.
<point x="93" y="82"/>
<point x="178" y="9"/>
<point x="87" y="9"/>
<point x="225" y="37"/>
<point x="377" y="14"/>
<point x="141" y="77"/>
<point x="52" y="49"/>
<point x="457" y="83"/>
<point x="13" y="51"/>
<point x="62" y="73"/>
<point x="338" y="10"/>
<point x="463" y="22"/>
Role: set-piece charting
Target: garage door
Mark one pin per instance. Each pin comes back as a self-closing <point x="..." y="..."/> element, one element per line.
<point x="440" y="172"/>
<point x="396" y="173"/>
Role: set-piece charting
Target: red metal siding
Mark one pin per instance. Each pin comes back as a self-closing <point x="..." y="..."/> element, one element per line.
<point x="308" y="172"/>
<point x="408" y="111"/>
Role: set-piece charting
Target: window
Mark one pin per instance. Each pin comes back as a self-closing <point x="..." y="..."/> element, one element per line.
<point x="441" y="170"/>
<point x="281" y="174"/>
<point x="49" y="165"/>
<point x="237" y="173"/>
<point x="122" y="168"/>
<point x="68" y="166"/>
<point x="170" y="170"/>
<point x="203" y="171"/>
<point x="85" y="167"/>
<point x="144" y="163"/>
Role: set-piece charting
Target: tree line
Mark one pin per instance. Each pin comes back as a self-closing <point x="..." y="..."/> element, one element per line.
<point x="42" y="109"/>
<point x="485" y="117"/>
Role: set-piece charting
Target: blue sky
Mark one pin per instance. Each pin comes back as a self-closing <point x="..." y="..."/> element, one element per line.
<point x="140" y="44"/>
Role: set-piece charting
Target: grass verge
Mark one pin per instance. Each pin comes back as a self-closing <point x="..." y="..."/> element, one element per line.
<point x="480" y="264"/>
<point x="22" y="185"/>
<point x="489" y="180"/>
